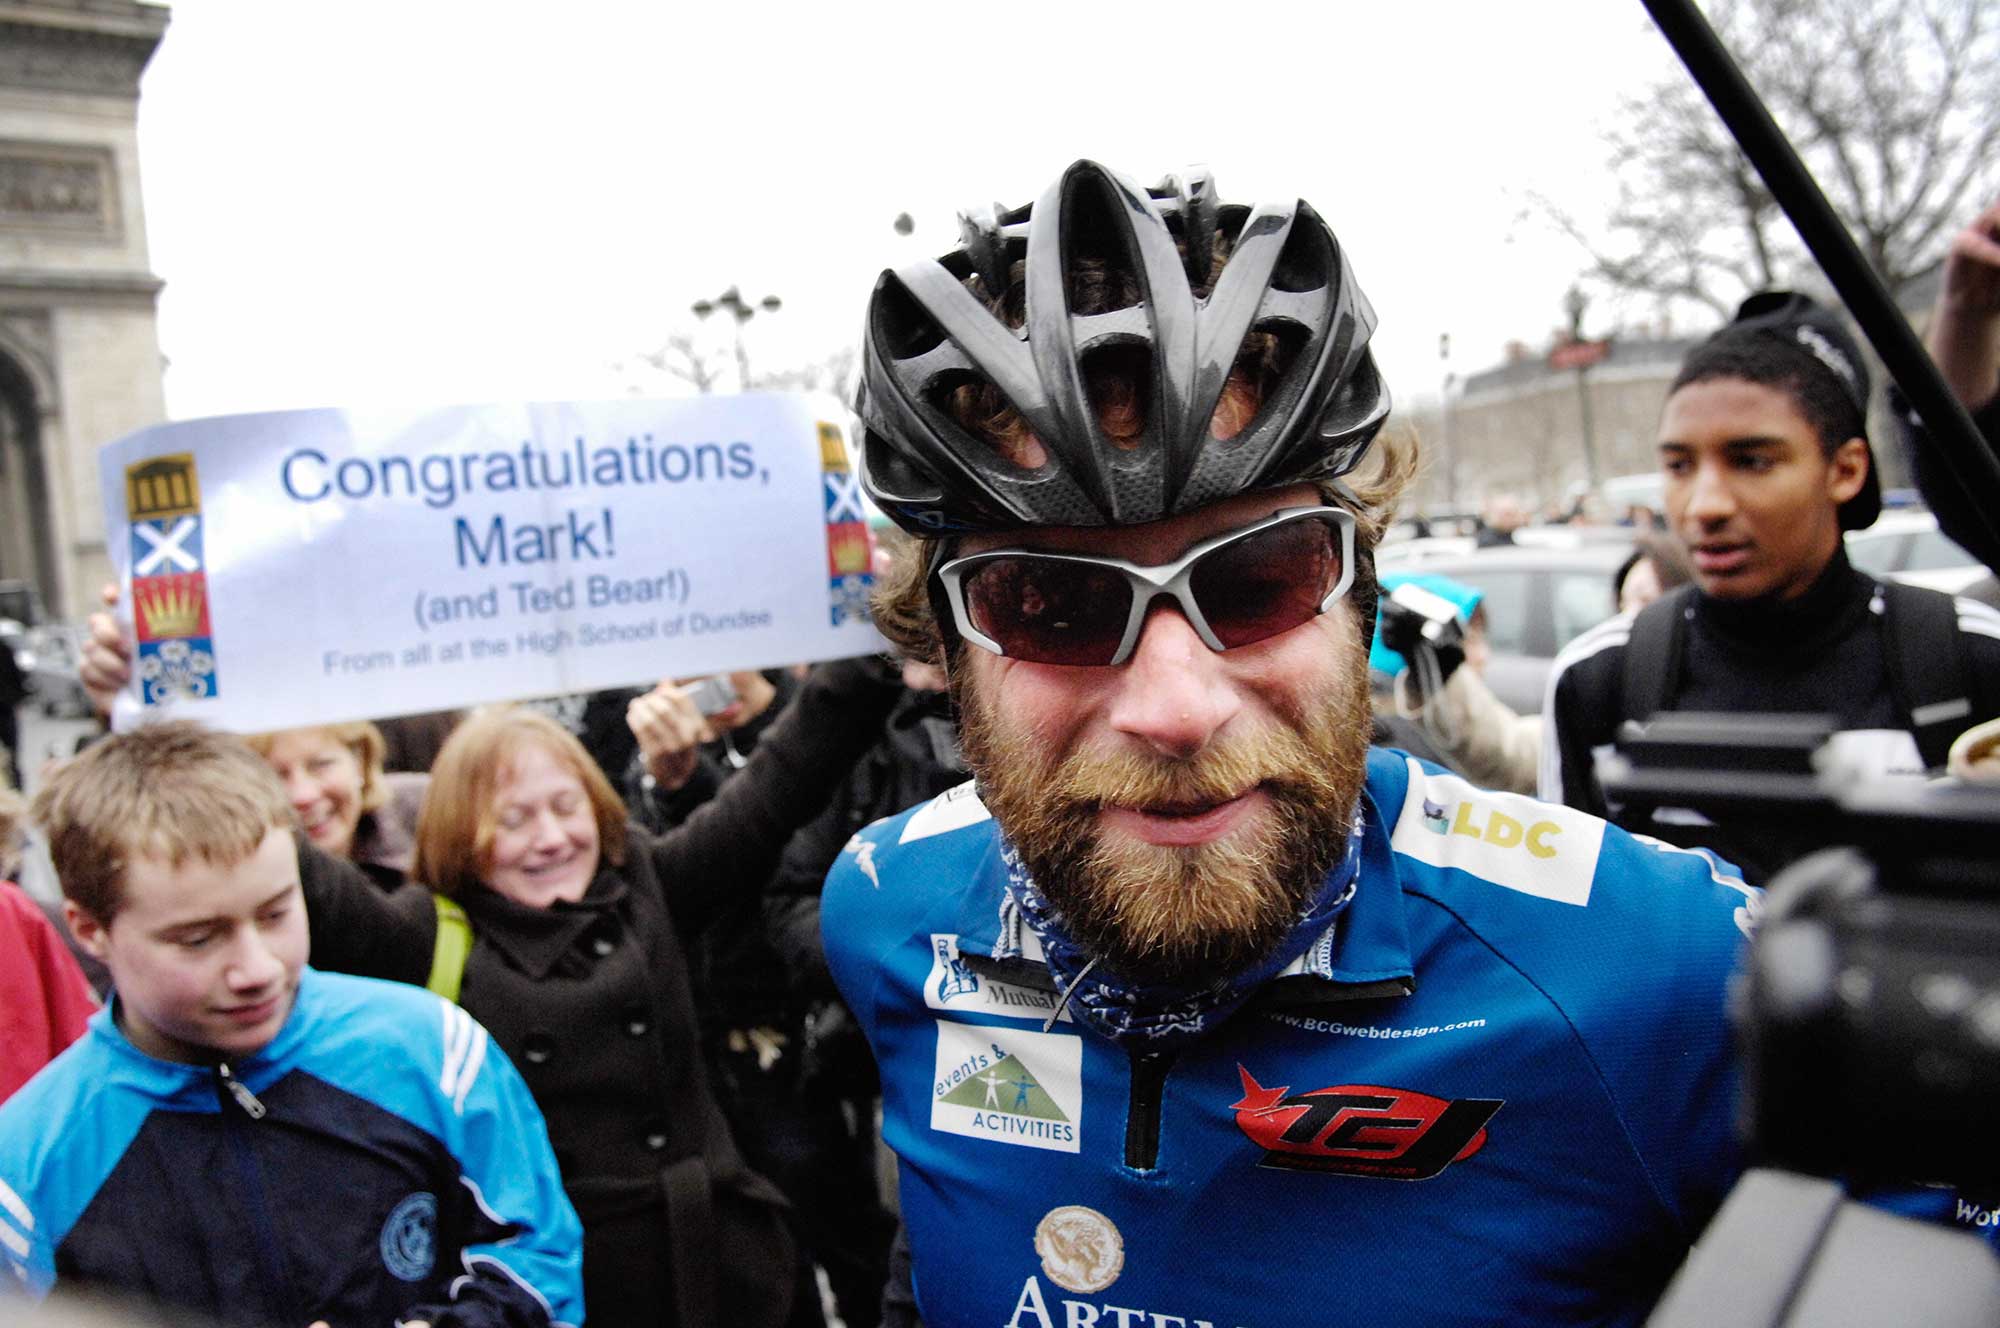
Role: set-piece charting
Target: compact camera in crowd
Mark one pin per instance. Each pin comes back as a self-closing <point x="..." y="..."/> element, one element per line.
<point x="712" y="695"/>
<point x="1412" y="613"/>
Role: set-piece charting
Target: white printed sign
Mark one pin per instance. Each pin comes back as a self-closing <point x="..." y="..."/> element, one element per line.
<point x="304" y="567"/>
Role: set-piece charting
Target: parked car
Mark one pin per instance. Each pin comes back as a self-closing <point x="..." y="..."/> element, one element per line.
<point x="21" y="604"/>
<point x="58" y="653"/>
<point x="47" y="657"/>
<point x="1908" y="546"/>
<point x="1537" y="600"/>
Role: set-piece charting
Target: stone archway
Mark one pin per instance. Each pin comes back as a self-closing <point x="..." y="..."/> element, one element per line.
<point x="79" y="349"/>
<point x="27" y="534"/>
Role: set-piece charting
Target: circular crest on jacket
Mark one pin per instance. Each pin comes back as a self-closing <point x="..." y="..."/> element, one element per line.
<point x="927" y="335"/>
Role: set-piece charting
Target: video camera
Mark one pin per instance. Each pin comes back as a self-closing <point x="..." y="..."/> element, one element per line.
<point x="1868" y="1019"/>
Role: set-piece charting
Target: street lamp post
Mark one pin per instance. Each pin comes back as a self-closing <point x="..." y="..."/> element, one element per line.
<point x="1444" y="422"/>
<point x="1581" y="354"/>
<point x="732" y="302"/>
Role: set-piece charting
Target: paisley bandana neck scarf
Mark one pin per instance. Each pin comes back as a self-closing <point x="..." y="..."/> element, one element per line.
<point x="1165" y="1016"/>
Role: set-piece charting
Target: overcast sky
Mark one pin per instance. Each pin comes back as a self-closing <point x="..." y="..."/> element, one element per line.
<point x="417" y="201"/>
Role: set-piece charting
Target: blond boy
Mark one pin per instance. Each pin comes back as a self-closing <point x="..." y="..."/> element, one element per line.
<point x="238" y="1134"/>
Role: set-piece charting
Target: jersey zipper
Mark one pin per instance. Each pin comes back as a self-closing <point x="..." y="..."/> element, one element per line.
<point x="240" y="1091"/>
<point x="1142" y="1111"/>
<point x="241" y="1108"/>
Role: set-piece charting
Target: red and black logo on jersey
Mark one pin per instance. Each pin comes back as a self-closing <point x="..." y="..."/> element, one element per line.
<point x="1362" y="1129"/>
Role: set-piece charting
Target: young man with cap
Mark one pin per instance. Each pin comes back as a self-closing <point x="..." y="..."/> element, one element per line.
<point x="1764" y="443"/>
<point x="1192" y="1009"/>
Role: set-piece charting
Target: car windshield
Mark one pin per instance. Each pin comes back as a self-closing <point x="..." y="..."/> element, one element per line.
<point x="1876" y="551"/>
<point x="1507" y="595"/>
<point x="1581" y="600"/>
<point x="1932" y="551"/>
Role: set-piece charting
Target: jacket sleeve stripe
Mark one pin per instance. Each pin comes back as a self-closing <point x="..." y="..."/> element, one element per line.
<point x="1978" y="618"/>
<point x="11" y="1203"/>
<point x="458" y="1036"/>
<point x="479" y="1199"/>
<point x="13" y="1240"/>
<point x="512" y="1276"/>
<point x="469" y="1074"/>
<point x="1607" y="635"/>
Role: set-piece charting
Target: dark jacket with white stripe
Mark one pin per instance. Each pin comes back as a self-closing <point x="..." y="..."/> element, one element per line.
<point x="378" y="1161"/>
<point x="1824" y="653"/>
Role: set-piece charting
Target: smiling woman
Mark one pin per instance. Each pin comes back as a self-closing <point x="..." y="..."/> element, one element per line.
<point x="344" y="800"/>
<point x="517" y="807"/>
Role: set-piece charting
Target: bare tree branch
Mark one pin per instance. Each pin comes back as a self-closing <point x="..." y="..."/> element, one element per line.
<point x="1893" y="104"/>
<point x="681" y="357"/>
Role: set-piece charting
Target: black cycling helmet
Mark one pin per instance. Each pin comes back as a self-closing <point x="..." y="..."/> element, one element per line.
<point x="928" y="334"/>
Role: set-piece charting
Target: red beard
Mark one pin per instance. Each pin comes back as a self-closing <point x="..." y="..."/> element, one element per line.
<point x="1163" y="913"/>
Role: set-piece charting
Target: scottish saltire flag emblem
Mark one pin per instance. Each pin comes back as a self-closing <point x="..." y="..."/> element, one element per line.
<point x="843" y="498"/>
<point x="169" y="581"/>
<point x="165" y="547"/>
<point x="850" y="553"/>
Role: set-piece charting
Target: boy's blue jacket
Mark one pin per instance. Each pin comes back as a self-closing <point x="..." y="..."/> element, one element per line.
<point x="380" y="1161"/>
<point x="1509" y="1104"/>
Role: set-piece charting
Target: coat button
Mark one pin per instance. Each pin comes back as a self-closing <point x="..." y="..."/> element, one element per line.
<point x="637" y="1020"/>
<point x="536" y="1048"/>
<point x="603" y="946"/>
<point x="656" y="1141"/>
<point x="656" y="1134"/>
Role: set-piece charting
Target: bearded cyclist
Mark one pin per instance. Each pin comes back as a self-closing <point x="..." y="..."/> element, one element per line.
<point x="1297" y="1032"/>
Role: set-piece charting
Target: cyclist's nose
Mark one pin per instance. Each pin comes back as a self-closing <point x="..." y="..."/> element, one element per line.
<point x="1174" y="693"/>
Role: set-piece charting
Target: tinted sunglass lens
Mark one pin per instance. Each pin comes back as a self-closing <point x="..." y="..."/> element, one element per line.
<point x="1049" y="611"/>
<point x="1269" y="582"/>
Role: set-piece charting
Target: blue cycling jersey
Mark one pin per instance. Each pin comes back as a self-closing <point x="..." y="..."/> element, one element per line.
<point x="1506" y="1099"/>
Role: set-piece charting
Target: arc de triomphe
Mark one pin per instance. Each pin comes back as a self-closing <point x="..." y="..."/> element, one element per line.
<point x="79" y="348"/>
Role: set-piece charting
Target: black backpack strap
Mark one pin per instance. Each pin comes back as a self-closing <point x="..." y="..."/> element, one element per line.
<point x="1653" y="655"/>
<point x="1927" y="674"/>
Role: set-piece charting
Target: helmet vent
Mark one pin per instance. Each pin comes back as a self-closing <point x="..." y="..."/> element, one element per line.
<point x="909" y="331"/>
<point x="1119" y="380"/>
<point x="1306" y="263"/>
<point x="1101" y="271"/>
<point x="1263" y="364"/>
<point x="1229" y="219"/>
<point x="982" y="410"/>
<point x="1359" y="404"/>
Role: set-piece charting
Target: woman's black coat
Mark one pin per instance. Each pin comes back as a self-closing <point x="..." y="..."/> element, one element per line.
<point x="590" y="1001"/>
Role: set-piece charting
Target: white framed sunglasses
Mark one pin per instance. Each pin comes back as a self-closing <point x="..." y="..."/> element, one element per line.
<point x="1235" y="589"/>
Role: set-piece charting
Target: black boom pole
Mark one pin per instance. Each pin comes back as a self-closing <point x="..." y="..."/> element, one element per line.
<point x="1965" y="453"/>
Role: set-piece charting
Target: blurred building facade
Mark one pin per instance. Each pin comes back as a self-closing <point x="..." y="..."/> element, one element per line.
<point x="1519" y="427"/>
<point x="79" y="346"/>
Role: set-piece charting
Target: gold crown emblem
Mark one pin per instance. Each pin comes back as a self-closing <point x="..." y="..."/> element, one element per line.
<point x="849" y="554"/>
<point x="173" y="611"/>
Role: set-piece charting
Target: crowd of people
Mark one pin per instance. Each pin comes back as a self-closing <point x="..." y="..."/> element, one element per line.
<point x="1114" y="907"/>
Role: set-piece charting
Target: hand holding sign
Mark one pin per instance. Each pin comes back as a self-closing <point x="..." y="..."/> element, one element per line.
<point x="670" y="731"/>
<point x="106" y="666"/>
